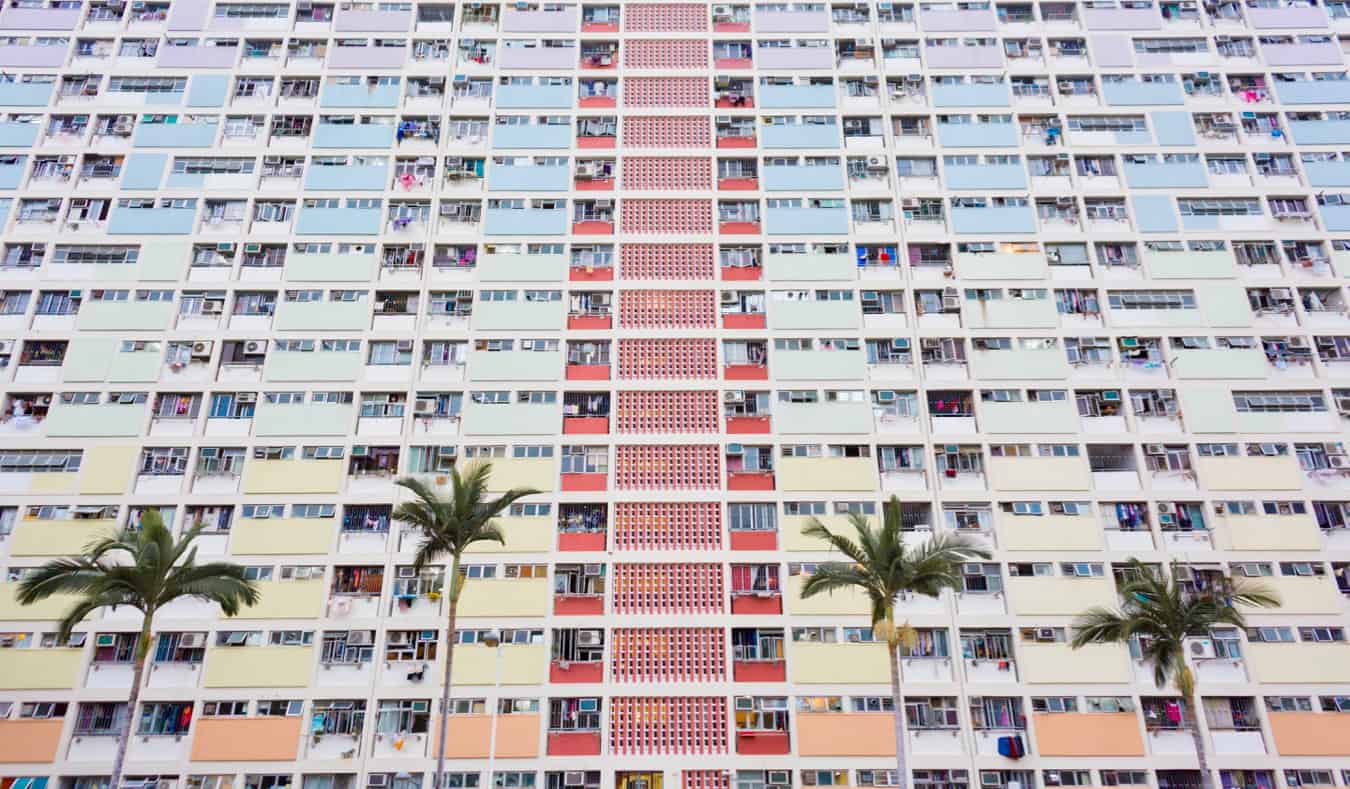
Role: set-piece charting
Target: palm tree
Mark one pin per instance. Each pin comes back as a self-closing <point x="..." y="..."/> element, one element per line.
<point x="883" y="569"/>
<point x="1164" y="615"/>
<point x="145" y="569"/>
<point x="448" y="527"/>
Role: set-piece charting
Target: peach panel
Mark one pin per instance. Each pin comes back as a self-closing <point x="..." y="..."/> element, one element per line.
<point x="466" y="736"/>
<point x="1088" y="734"/>
<point x="518" y="736"/>
<point x="846" y="734"/>
<point x="24" y="741"/>
<point x="1311" y="733"/>
<point x="249" y="740"/>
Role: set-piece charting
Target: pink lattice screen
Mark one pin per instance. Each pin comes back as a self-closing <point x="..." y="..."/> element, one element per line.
<point x="667" y="309"/>
<point x="667" y="131"/>
<point x="668" y="588"/>
<point x="667" y="358"/>
<point x="665" y="18"/>
<point x="666" y="172"/>
<point x="665" y="92"/>
<point x="666" y="261"/>
<point x="666" y="412"/>
<point x="669" y="654"/>
<point x="667" y="467"/>
<point x="643" y="725"/>
<point x="658" y="53"/>
<point x="667" y="525"/>
<point x="666" y="217"/>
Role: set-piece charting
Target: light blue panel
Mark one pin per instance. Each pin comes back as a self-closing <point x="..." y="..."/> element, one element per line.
<point x="173" y="99"/>
<point x="972" y="95"/>
<point x="1142" y="94"/>
<point x="534" y="136"/>
<point x="1327" y="173"/>
<point x="1320" y="132"/>
<point x="363" y="179"/>
<point x="806" y="221"/>
<point x="339" y="221"/>
<point x="151" y="221"/>
<point x="978" y="135"/>
<point x="808" y="96"/>
<point x="4" y="211"/>
<point x="176" y="135"/>
<point x="800" y="136"/>
<point x="26" y="94"/>
<point x="513" y="97"/>
<point x="342" y="96"/>
<point x="525" y="222"/>
<point x="1161" y="175"/>
<point x="11" y="175"/>
<point x="367" y="135"/>
<point x="778" y="178"/>
<point x="184" y="181"/>
<point x="1154" y="213"/>
<point x="1313" y="92"/>
<point x="994" y="219"/>
<point x="530" y="178"/>
<point x="1172" y="128"/>
<point x="985" y="176"/>
<point x="144" y="170"/>
<point x="18" y="135"/>
<point x="208" y="90"/>
<point x="1335" y="217"/>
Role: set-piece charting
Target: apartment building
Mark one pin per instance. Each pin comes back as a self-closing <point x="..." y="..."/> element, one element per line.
<point x="1067" y="276"/>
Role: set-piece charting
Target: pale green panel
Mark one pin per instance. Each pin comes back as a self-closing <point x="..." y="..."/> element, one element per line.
<point x="319" y="419"/>
<point x="125" y="316"/>
<point x="1224" y="304"/>
<point x="822" y="417"/>
<point x="814" y="315"/>
<point x="331" y="267"/>
<point x="89" y="359"/>
<point x="136" y="366"/>
<point x="312" y="366"/>
<point x="515" y="366"/>
<point x="1191" y="265"/>
<point x="818" y="365"/>
<point x="511" y="419"/>
<point x="810" y="266"/>
<point x="164" y="260"/>
<point x="1208" y="409"/>
<point x="95" y="421"/>
<point x="522" y="268"/>
<point x="1219" y="363"/>
<point x="323" y="316"/>
<point x="518" y="315"/>
<point x="1020" y="364"/>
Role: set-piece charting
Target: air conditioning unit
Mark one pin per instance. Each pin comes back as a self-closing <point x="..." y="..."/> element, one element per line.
<point x="1165" y="507"/>
<point x="1338" y="461"/>
<point x="780" y="777"/>
<point x="246" y="397"/>
<point x="360" y="638"/>
<point x="7" y="346"/>
<point x="424" y="406"/>
<point x="589" y="638"/>
<point x="733" y="395"/>
<point x="377" y="780"/>
<point x="886" y="396"/>
<point x="585" y="170"/>
<point x="404" y="345"/>
<point x="1154" y="449"/>
<point x="877" y="163"/>
<point x="407" y="572"/>
<point x="1045" y="634"/>
<point x="592" y="569"/>
<point x="255" y="347"/>
<point x="1201" y="648"/>
<point x="202" y="350"/>
<point x="192" y="641"/>
<point x="252" y="249"/>
<point x="213" y="306"/>
<point x="735" y="449"/>
<point x="398" y="638"/>
<point x="574" y="778"/>
<point x="105" y="640"/>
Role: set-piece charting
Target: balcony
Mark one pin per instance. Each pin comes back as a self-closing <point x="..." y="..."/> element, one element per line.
<point x="259" y="667"/>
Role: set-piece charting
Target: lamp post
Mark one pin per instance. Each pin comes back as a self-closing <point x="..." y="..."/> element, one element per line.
<point x="493" y="640"/>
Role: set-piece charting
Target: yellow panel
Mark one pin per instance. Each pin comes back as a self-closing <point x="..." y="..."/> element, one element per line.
<point x="39" y="669"/>
<point x="521" y="664"/>
<point x="508" y="473"/>
<point x="505" y="597"/>
<point x="1302" y="596"/>
<point x="261" y="536"/>
<point x="1039" y="473"/>
<point x="842" y="602"/>
<point x="843" y="663"/>
<point x="1059" y="596"/>
<point x="1057" y="663"/>
<point x="34" y="537"/>
<point x="259" y="667"/>
<point x="827" y="474"/>
<point x="52" y="608"/>
<point x="1300" y="663"/>
<point x="293" y="476"/>
<point x="62" y="482"/>
<point x="107" y="469"/>
<point x="1268" y="533"/>
<point x="287" y="600"/>
<point x="794" y="540"/>
<point x="1249" y="473"/>
<point x="523" y="535"/>
<point x="1047" y="532"/>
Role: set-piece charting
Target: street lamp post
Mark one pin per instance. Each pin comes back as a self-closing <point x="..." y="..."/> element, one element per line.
<point x="493" y="640"/>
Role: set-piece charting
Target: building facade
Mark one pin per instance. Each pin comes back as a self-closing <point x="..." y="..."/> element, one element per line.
<point x="1065" y="276"/>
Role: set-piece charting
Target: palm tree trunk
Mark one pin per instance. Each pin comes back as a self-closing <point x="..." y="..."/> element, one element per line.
<point x="901" y="772"/>
<point x="444" y="725"/>
<point x="133" y="701"/>
<point x="1198" y="739"/>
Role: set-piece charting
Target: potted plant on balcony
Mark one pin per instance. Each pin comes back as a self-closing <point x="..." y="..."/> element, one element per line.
<point x="882" y="568"/>
<point x="1167" y="616"/>
<point x="142" y="568"/>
